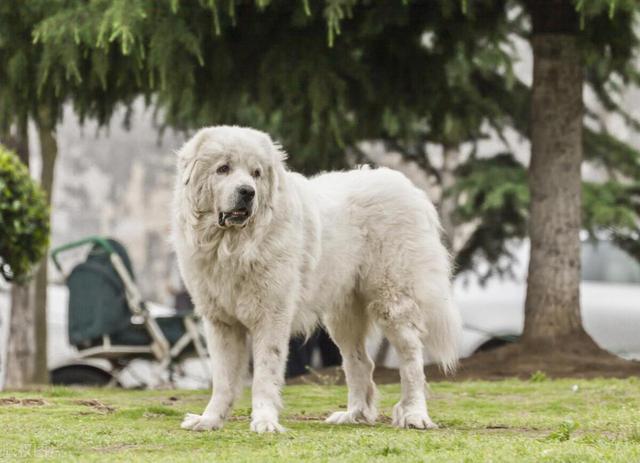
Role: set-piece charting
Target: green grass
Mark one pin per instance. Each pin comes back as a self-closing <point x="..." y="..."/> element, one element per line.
<point x="540" y="420"/>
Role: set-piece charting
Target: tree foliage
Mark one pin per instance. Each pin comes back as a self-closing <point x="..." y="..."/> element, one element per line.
<point x="24" y="219"/>
<point x="208" y="64"/>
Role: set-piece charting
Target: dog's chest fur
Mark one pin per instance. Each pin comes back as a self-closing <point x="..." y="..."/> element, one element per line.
<point x="235" y="290"/>
<point x="249" y="284"/>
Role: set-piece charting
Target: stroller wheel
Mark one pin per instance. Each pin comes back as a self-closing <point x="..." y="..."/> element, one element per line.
<point x="81" y="375"/>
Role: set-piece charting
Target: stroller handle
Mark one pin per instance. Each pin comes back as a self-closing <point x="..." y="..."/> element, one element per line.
<point x="99" y="240"/>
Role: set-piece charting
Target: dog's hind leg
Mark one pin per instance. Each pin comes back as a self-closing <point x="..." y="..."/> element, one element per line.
<point x="349" y="329"/>
<point x="229" y="356"/>
<point x="395" y="319"/>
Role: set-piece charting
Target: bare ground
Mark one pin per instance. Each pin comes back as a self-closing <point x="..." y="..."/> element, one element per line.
<point x="510" y="361"/>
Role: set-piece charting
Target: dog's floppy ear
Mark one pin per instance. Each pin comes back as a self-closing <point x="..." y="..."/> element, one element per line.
<point x="277" y="168"/>
<point x="273" y="147"/>
<point x="187" y="155"/>
<point x="187" y="170"/>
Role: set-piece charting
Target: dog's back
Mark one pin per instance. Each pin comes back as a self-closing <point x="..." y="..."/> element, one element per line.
<point x="381" y="239"/>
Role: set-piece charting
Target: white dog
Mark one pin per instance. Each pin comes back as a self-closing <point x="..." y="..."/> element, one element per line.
<point x="266" y="253"/>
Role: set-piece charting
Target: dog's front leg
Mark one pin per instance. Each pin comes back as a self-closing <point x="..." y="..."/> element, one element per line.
<point x="270" y="349"/>
<point x="228" y="349"/>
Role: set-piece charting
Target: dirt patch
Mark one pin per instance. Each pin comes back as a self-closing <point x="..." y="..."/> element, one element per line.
<point x="510" y="361"/>
<point x="521" y="431"/>
<point x="515" y="360"/>
<point x="334" y="375"/>
<point x="28" y="402"/>
<point x="170" y="400"/>
<point x="239" y="418"/>
<point x="9" y="401"/>
<point x="96" y="405"/>
<point x="304" y="417"/>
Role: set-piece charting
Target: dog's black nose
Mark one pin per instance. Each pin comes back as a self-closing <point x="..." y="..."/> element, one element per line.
<point x="246" y="192"/>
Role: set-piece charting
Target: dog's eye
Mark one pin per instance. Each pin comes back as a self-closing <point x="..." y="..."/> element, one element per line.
<point x="256" y="173"/>
<point x="223" y="169"/>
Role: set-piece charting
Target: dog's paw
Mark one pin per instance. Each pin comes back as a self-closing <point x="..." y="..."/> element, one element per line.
<point x="351" y="417"/>
<point x="265" y="425"/>
<point x="412" y="419"/>
<point x="194" y="422"/>
<point x="416" y="421"/>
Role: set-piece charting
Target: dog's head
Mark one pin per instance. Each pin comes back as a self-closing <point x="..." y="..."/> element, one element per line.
<point x="229" y="176"/>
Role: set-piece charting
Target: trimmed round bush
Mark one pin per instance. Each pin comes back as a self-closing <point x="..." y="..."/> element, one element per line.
<point x="24" y="219"/>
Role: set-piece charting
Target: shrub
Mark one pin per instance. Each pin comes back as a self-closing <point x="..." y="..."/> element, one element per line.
<point x="24" y="219"/>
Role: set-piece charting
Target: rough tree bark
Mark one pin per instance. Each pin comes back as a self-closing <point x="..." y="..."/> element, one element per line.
<point x="552" y="307"/>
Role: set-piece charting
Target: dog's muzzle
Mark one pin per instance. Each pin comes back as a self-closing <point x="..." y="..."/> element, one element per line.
<point x="242" y="210"/>
<point x="234" y="217"/>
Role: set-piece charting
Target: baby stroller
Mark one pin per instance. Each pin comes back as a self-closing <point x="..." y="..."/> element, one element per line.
<point x="108" y="319"/>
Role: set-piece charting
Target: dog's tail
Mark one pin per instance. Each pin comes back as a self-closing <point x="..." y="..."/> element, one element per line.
<point x="443" y="334"/>
<point x="444" y="323"/>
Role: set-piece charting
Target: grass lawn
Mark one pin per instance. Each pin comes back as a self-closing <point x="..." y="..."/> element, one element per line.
<point x="514" y="421"/>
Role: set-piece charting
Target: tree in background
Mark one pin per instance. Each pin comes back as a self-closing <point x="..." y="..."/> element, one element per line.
<point x="552" y="307"/>
<point x="578" y="44"/>
<point x="33" y="89"/>
<point x="21" y="101"/>
<point x="24" y="219"/>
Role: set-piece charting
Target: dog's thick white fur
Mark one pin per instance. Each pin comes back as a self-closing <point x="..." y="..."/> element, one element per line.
<point x="348" y="249"/>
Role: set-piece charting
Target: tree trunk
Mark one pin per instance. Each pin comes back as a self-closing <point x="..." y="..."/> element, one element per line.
<point x="552" y="307"/>
<point x="21" y="348"/>
<point x="48" y="152"/>
<point x="21" y="351"/>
